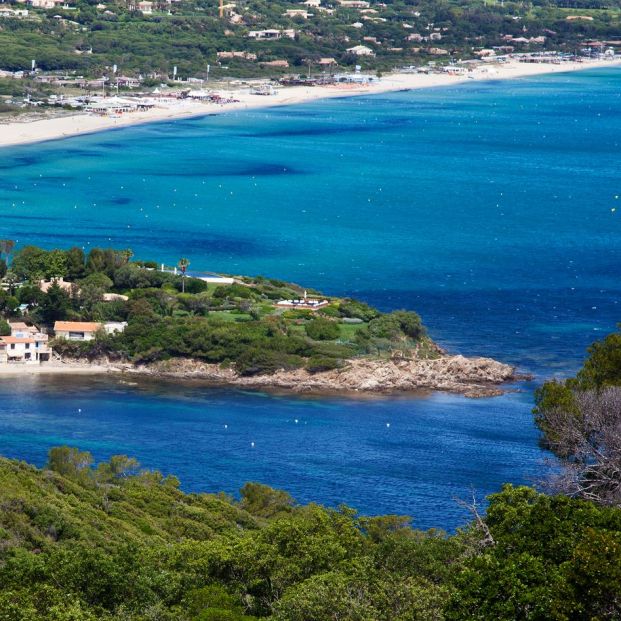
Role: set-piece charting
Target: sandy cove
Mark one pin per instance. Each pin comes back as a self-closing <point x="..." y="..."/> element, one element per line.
<point x="17" y="132"/>
<point x="471" y="377"/>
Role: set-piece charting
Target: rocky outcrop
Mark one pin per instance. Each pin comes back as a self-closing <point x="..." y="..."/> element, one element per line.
<point x="472" y="377"/>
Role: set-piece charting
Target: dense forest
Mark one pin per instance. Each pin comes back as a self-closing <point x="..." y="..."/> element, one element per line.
<point x="89" y="37"/>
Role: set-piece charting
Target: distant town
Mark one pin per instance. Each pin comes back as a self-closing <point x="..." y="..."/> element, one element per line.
<point x="120" y="56"/>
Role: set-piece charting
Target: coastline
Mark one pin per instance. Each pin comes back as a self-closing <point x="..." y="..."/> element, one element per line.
<point x="473" y="377"/>
<point x="19" y="133"/>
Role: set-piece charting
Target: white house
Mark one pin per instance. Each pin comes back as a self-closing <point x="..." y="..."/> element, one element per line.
<point x="272" y="33"/>
<point x="115" y="327"/>
<point x="77" y="330"/>
<point x="25" y="345"/>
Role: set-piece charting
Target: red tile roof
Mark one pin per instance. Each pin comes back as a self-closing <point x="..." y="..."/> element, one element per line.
<point x="77" y="326"/>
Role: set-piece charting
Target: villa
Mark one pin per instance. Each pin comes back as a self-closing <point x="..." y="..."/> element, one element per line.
<point x="305" y="303"/>
<point x="25" y="345"/>
<point x="67" y="287"/>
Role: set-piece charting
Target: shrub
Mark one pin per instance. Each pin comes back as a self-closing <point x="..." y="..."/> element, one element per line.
<point x="321" y="329"/>
<point x="317" y="364"/>
<point x="255" y="361"/>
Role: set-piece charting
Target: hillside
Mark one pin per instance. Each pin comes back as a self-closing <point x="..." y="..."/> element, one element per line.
<point x="85" y="543"/>
<point x="150" y="38"/>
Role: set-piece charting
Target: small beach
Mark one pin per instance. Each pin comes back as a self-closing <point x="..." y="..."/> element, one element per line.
<point x="19" y="132"/>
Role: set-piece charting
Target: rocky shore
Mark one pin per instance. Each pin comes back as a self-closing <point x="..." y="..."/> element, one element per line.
<point x="471" y="377"/>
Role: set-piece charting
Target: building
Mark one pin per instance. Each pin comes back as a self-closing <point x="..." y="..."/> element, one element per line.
<point x="303" y="13"/>
<point x="272" y="34"/>
<point x="114" y="297"/>
<point x="361" y="50"/>
<point x="25" y="345"/>
<point x="77" y="330"/>
<point x="242" y="55"/>
<point x="67" y="287"/>
<point x="275" y="63"/>
<point x="305" y="303"/>
<point x="145" y="7"/>
<point x="354" y="4"/>
<point x="18" y="13"/>
<point x="115" y="327"/>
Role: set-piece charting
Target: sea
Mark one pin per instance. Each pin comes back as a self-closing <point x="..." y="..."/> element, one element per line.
<point x="491" y="208"/>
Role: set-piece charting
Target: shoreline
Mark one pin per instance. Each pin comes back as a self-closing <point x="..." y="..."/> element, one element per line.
<point x="17" y="133"/>
<point x="473" y="377"/>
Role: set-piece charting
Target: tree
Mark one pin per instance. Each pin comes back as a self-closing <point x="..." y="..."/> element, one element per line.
<point x="11" y="279"/>
<point x="8" y="303"/>
<point x="183" y="266"/>
<point x="55" y="304"/>
<point x="70" y="462"/>
<point x="587" y="437"/>
<point x="30" y="263"/>
<point x="119" y="467"/>
<point x="75" y="263"/>
<point x="264" y="501"/>
<point x="5" y="328"/>
<point x="6" y="248"/>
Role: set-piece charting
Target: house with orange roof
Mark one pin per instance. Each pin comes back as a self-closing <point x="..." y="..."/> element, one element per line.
<point x="26" y="345"/>
<point x="77" y="330"/>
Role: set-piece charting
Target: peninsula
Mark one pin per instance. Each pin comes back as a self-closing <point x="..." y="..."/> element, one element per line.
<point x="67" y="312"/>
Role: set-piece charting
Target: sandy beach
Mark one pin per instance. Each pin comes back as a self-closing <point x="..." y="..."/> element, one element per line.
<point x="16" y="133"/>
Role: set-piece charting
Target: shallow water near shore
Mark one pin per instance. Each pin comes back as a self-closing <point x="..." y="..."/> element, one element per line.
<point x="491" y="208"/>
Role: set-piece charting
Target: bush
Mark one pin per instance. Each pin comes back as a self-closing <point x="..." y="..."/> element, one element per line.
<point x="321" y="329"/>
<point x="359" y="310"/>
<point x="255" y="361"/>
<point x="318" y="364"/>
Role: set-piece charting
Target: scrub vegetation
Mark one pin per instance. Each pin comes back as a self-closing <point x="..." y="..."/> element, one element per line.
<point x="112" y="542"/>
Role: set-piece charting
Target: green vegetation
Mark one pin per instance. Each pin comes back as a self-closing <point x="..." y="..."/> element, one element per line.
<point x="112" y="542"/>
<point x="178" y="316"/>
<point x="88" y="39"/>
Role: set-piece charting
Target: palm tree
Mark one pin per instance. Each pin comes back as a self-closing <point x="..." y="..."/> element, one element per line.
<point x="183" y="266"/>
<point x="6" y="248"/>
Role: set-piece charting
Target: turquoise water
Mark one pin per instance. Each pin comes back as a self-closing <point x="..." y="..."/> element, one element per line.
<point x="487" y="207"/>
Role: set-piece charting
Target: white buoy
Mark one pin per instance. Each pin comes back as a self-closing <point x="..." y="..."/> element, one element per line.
<point x="226" y="426"/>
<point x="387" y="424"/>
<point x="296" y="421"/>
<point x="252" y="444"/>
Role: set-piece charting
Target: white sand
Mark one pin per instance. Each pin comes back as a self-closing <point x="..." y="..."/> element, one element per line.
<point x="15" y="133"/>
<point x="54" y="368"/>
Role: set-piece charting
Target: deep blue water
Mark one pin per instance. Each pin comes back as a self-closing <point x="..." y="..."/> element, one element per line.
<point x="491" y="208"/>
